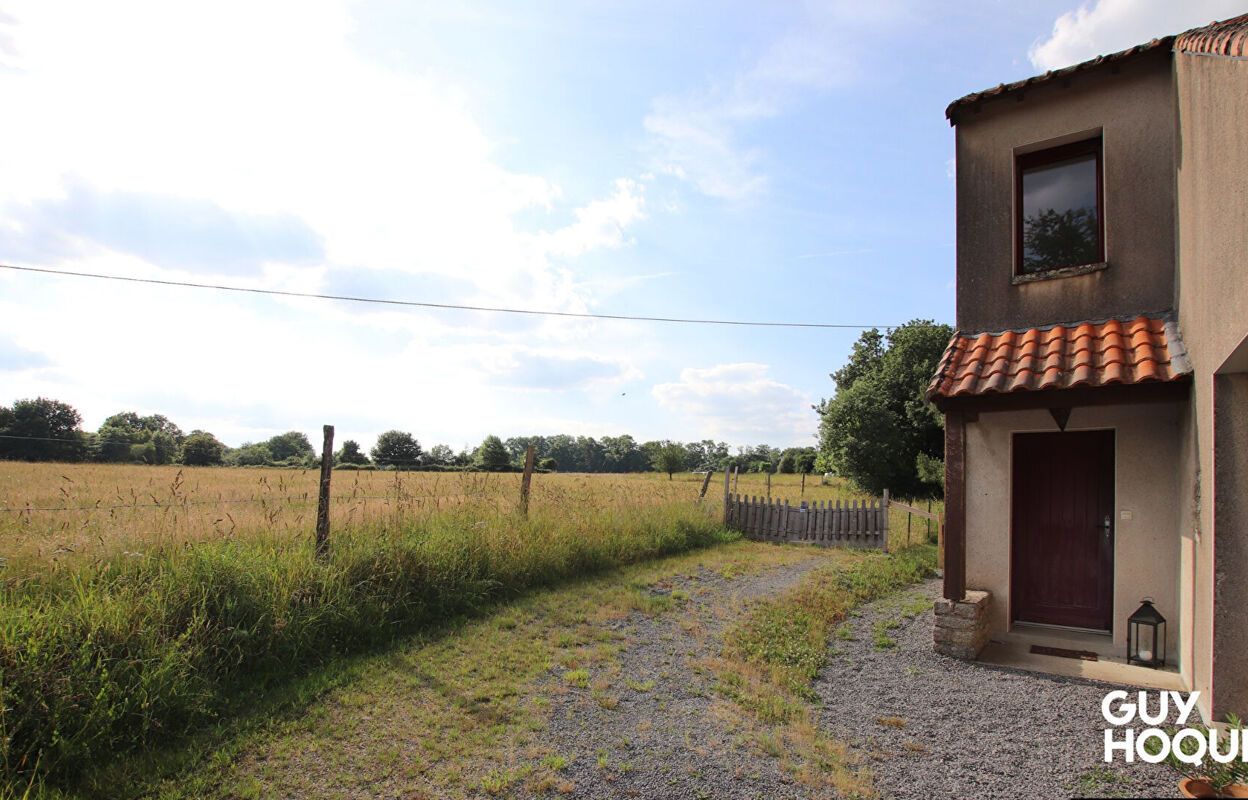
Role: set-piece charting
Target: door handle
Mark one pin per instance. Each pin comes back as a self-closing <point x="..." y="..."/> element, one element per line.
<point x="1107" y="525"/>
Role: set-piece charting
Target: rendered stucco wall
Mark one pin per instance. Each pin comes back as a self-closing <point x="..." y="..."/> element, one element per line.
<point x="1147" y="547"/>
<point x="1212" y="289"/>
<point x="1230" y="579"/>
<point x="1134" y="109"/>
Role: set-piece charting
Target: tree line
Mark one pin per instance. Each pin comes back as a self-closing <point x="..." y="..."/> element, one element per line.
<point x="43" y="429"/>
<point x="877" y="430"/>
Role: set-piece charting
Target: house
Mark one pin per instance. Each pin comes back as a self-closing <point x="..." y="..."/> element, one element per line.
<point x="1096" y="393"/>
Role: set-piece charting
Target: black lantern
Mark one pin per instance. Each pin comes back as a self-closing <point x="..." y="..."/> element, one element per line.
<point x="1146" y="637"/>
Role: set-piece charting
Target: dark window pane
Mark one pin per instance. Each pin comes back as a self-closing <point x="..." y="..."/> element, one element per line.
<point x="1060" y="225"/>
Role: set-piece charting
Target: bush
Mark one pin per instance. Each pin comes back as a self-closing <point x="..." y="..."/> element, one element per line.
<point x="202" y="450"/>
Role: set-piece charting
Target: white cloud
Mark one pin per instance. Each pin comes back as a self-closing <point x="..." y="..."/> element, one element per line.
<point x="1112" y="25"/>
<point x="599" y="224"/>
<point x="739" y="402"/>
<point x="694" y="140"/>
<point x="261" y="120"/>
<point x="701" y="136"/>
<point x="265" y="109"/>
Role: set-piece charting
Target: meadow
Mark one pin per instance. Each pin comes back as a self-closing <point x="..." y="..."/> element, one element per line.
<point x="139" y="604"/>
<point x="59" y="515"/>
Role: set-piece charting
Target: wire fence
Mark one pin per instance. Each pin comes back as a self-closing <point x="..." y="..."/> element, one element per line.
<point x="56" y="512"/>
<point x="191" y="503"/>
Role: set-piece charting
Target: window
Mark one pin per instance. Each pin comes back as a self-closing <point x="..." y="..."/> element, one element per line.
<point x="1058" y="209"/>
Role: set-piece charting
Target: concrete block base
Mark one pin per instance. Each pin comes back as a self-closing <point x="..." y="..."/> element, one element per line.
<point x="962" y="626"/>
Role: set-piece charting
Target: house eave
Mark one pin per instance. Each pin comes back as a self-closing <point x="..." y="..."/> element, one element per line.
<point x="1172" y="391"/>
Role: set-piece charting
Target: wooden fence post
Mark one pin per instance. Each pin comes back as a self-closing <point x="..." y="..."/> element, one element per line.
<point x="884" y="503"/>
<point x="322" y="505"/>
<point x="768" y="485"/>
<point x="734" y="478"/>
<point x="725" y="497"/>
<point x="526" y="480"/>
<point x="705" y="483"/>
<point x="803" y="484"/>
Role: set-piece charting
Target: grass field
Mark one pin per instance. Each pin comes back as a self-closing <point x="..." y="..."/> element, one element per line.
<point x="140" y="603"/>
<point x="106" y="509"/>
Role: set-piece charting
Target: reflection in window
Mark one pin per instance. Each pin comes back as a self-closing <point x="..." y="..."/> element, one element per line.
<point x="1061" y="219"/>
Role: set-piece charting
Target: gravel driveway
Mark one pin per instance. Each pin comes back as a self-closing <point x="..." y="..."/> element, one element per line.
<point x="928" y="726"/>
<point x="970" y="730"/>
<point x="665" y="738"/>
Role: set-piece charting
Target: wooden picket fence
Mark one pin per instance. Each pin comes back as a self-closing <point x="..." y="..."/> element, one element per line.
<point x="854" y="524"/>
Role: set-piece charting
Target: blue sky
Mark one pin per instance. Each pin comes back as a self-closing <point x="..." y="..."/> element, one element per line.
<point x="756" y="161"/>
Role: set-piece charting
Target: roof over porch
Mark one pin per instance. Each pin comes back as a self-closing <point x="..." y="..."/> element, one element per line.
<point x="1090" y="362"/>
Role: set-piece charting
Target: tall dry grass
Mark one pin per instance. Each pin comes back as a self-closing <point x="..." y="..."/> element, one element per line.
<point x="150" y="597"/>
<point x="103" y="509"/>
<point x="124" y="627"/>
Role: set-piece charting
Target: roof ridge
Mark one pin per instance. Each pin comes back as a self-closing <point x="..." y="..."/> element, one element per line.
<point x="1161" y="316"/>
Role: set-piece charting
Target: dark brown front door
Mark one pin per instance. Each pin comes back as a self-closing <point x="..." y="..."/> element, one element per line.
<point x="1062" y="559"/>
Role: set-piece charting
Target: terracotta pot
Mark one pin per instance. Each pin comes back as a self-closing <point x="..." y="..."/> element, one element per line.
<point x="1195" y="787"/>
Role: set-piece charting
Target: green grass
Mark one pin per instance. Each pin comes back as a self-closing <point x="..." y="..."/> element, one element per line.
<point x="475" y="696"/>
<point x="128" y="652"/>
<point x="791" y="633"/>
<point x="773" y="656"/>
<point x="577" y="677"/>
<point x="1101" y="781"/>
<point x="880" y="636"/>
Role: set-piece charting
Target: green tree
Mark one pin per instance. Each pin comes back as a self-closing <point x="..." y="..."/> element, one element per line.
<point x="518" y="445"/>
<point x="621" y="454"/>
<point x="1054" y="239"/>
<point x="492" y="455"/>
<point x="160" y="448"/>
<point x="563" y="449"/>
<point x="590" y="454"/>
<point x="350" y="453"/>
<point x="873" y="430"/>
<point x="291" y="444"/>
<point x="441" y="454"/>
<point x="249" y="454"/>
<point x="143" y="427"/>
<point x="129" y="436"/>
<point x="550" y="464"/>
<point x="706" y="455"/>
<point x="397" y="449"/>
<point x="201" y="449"/>
<point x="42" y="430"/>
<point x="113" y="443"/>
<point x="669" y="458"/>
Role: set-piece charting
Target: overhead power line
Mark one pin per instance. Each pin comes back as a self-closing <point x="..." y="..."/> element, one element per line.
<point x="443" y="306"/>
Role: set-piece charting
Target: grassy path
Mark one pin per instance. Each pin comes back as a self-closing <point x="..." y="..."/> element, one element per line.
<point x="616" y="686"/>
<point x="444" y="717"/>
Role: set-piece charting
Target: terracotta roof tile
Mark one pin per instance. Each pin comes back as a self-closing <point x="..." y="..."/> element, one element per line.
<point x="1140" y="350"/>
<point x="1226" y="38"/>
